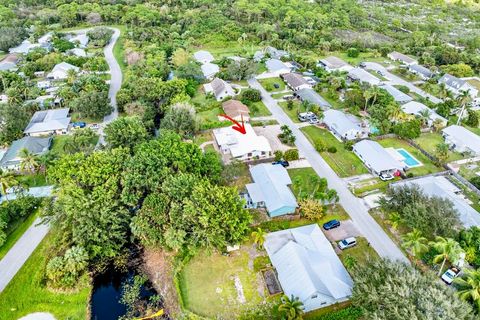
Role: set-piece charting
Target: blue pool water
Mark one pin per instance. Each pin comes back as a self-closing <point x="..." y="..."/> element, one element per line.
<point x="409" y="160"/>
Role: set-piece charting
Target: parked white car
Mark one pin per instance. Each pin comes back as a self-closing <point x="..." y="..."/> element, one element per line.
<point x="450" y="275"/>
<point x="347" y="243"/>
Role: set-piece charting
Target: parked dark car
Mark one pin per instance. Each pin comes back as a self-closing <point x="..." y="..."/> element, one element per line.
<point x="282" y="162"/>
<point x="362" y="64"/>
<point x="276" y="85"/>
<point x="79" y="124"/>
<point x="331" y="224"/>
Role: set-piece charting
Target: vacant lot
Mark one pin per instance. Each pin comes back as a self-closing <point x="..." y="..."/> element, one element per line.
<point x="305" y="182"/>
<point x="297" y="108"/>
<point x="429" y="142"/>
<point x="270" y="83"/>
<point x="345" y="163"/>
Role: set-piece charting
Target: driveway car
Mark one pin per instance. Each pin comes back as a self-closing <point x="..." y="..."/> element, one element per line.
<point x="331" y="224"/>
<point x="95" y="126"/>
<point x="281" y="162"/>
<point x="450" y="275"/>
<point x="79" y="124"/>
<point x="347" y="243"/>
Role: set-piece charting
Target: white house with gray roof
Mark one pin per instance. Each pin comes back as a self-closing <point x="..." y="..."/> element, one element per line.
<point x="209" y="70"/>
<point x="398" y="95"/>
<point x="420" y="71"/>
<point x="275" y="53"/>
<point x="344" y="126"/>
<point x="457" y="86"/>
<point x="377" y="159"/>
<point x="277" y="67"/>
<point x="311" y="96"/>
<point x="403" y="58"/>
<point x="11" y="160"/>
<point x="462" y="140"/>
<point x="203" y="56"/>
<point x="60" y="71"/>
<point x="219" y="88"/>
<point x="81" y="39"/>
<point x="360" y="75"/>
<point x="441" y="187"/>
<point x="46" y="122"/>
<point x="416" y="109"/>
<point x="332" y="63"/>
<point x="308" y="267"/>
<point x="270" y="189"/>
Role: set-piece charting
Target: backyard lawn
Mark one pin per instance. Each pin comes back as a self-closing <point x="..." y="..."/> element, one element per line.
<point x="59" y="142"/>
<point x="297" y="108"/>
<point x="345" y="163"/>
<point x="269" y="84"/>
<point x="207" y="284"/>
<point x="429" y="141"/>
<point x="427" y="165"/>
<point x="26" y="293"/>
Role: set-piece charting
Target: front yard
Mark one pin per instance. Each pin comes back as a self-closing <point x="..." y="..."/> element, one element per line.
<point x="429" y="142"/>
<point x="345" y="163"/>
<point x="270" y="83"/>
<point x="296" y="109"/>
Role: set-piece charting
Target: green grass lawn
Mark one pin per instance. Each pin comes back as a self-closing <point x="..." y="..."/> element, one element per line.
<point x="27" y="293"/>
<point x="59" y="141"/>
<point x="429" y="141"/>
<point x="261" y="110"/>
<point x="297" y="108"/>
<point x="32" y="180"/>
<point x="15" y="230"/>
<point x="368" y="186"/>
<point x="202" y="137"/>
<point x="345" y="163"/>
<point x="77" y="118"/>
<point x="362" y="252"/>
<point x="363" y="56"/>
<point x="207" y="284"/>
<point x="119" y="50"/>
<point x="303" y="181"/>
<point x="474" y="83"/>
<point x="220" y="49"/>
<point x="427" y="167"/>
<point x="269" y="84"/>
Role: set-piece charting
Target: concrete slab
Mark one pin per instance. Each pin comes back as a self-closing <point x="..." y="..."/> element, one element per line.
<point x="346" y="229"/>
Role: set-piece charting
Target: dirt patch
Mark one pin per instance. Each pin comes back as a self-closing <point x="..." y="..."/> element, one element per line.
<point x="158" y="265"/>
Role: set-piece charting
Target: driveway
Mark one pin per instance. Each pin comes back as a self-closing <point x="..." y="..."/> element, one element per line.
<point x="271" y="133"/>
<point x="396" y="80"/>
<point x="355" y="207"/>
<point x="346" y="229"/>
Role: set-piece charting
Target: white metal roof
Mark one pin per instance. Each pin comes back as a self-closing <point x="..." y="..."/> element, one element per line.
<point x="274" y="65"/>
<point x="340" y="121"/>
<point x="209" y="69"/>
<point x="203" y="56"/>
<point x="363" y="76"/>
<point x="376" y="156"/>
<point x="271" y="186"/>
<point x="306" y="264"/>
<point x="463" y="136"/>
<point x="48" y="120"/>
<point x="414" y="108"/>
<point x="241" y="144"/>
<point x="398" y="95"/>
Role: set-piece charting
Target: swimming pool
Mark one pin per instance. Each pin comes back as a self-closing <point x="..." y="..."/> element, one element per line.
<point x="409" y="160"/>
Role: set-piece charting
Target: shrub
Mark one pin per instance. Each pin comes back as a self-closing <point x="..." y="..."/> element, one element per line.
<point x="311" y="209"/>
<point x="476" y="182"/>
<point x="260" y="263"/>
<point x="252" y="95"/>
<point x="353" y="52"/>
<point x="291" y="154"/>
<point x="332" y="149"/>
<point x="320" y="146"/>
<point x="64" y="271"/>
<point x="472" y="119"/>
<point x="278" y="155"/>
<point x="348" y="145"/>
<point x="404" y="89"/>
<point x="289" y="104"/>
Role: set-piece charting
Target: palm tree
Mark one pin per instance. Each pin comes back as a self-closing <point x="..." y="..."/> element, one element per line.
<point x="292" y="308"/>
<point x="28" y="162"/>
<point x="259" y="237"/>
<point x="7" y="180"/>
<point x="463" y="100"/>
<point x="44" y="162"/>
<point x="424" y="116"/>
<point x="437" y="124"/>
<point x="394" y="219"/>
<point x="415" y="242"/>
<point x="367" y="95"/>
<point x="448" y="249"/>
<point x="468" y="286"/>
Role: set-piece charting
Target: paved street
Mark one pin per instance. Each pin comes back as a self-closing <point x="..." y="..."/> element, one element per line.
<point x="37" y="192"/>
<point x="355" y="207"/>
<point x="396" y="80"/>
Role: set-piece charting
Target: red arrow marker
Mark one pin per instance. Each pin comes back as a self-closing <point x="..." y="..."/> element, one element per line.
<point x="240" y="127"/>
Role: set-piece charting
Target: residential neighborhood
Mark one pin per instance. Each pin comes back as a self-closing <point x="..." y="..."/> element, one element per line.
<point x="239" y="160"/>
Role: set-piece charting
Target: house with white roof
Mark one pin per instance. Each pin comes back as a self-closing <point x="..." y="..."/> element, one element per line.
<point x="397" y="95"/>
<point x="45" y="84"/>
<point x="377" y="159"/>
<point x="203" y="56"/>
<point x="440" y="186"/>
<point x="9" y="62"/>
<point x="295" y="81"/>
<point x="24" y="47"/>
<point x="11" y="159"/>
<point x="60" y="71"/>
<point x="3" y="98"/>
<point x="46" y="122"/>
<point x="78" y="52"/>
<point x="276" y="67"/>
<point x="462" y="140"/>
<point x="308" y="267"/>
<point x="209" y="70"/>
<point x="344" y="126"/>
<point x="80" y="39"/>
<point x="457" y="86"/>
<point x="416" y="109"/>
<point x="242" y="146"/>
<point x="397" y="56"/>
<point x="420" y="71"/>
<point x="219" y="88"/>
<point x="275" y="53"/>
<point x="311" y="96"/>
<point x="332" y="63"/>
<point x="270" y="190"/>
<point x="360" y="75"/>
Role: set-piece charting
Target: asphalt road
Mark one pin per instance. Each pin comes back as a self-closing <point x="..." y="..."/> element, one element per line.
<point x="354" y="206"/>
<point x="396" y="80"/>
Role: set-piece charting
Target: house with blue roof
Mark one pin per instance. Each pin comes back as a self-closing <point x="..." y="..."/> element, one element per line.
<point x="270" y="190"/>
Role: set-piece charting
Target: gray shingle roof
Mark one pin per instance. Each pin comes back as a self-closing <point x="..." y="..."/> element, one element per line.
<point x="452" y="81"/>
<point x="35" y="145"/>
<point x="313" y="97"/>
<point x="421" y="70"/>
<point x="294" y="80"/>
<point x="398" y="95"/>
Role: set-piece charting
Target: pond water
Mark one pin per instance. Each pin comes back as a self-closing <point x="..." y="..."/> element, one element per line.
<point x="107" y="292"/>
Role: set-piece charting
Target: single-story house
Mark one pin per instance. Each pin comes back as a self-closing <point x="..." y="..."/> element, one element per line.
<point x="332" y="63"/>
<point x="24" y="47"/>
<point x="219" y="88"/>
<point x="398" y="95"/>
<point x="258" y="56"/>
<point x="44" y="84"/>
<point x="457" y="86"/>
<point x="344" y="126"/>
<point x="11" y="159"/>
<point x="45" y="122"/>
<point x="209" y="70"/>
<point x="270" y="190"/>
<point x="397" y="56"/>
<point x="203" y="56"/>
<point x="308" y="267"/>
<point x="312" y="97"/>
<point x="295" y="81"/>
<point x="277" y="67"/>
<point x="81" y="39"/>
<point x="377" y="159"/>
<point x="358" y="74"/>
<point x="416" y="108"/>
<point x="79" y="52"/>
<point x="9" y="62"/>
<point x="462" y="140"/>
<point x="420" y="71"/>
<point x="60" y="71"/>
<point x="242" y="146"/>
<point x="441" y="187"/>
<point x="46" y="38"/>
<point x="275" y="53"/>
<point x="236" y="110"/>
